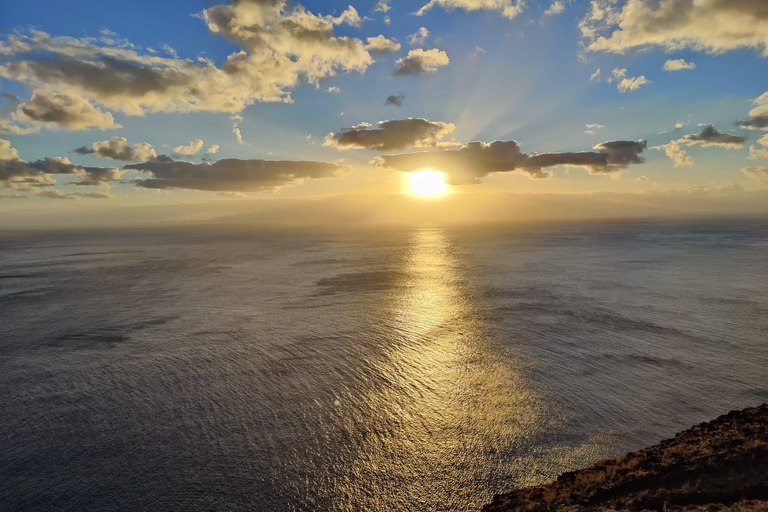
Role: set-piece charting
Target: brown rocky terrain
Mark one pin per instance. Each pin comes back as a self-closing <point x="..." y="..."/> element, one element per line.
<point x="719" y="465"/>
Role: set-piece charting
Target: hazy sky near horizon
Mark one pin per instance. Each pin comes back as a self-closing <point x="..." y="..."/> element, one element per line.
<point x="106" y="105"/>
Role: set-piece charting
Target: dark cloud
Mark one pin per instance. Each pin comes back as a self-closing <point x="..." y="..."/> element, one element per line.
<point x="73" y="196"/>
<point x="231" y="175"/>
<point x="709" y="136"/>
<point x="15" y="173"/>
<point x="390" y="135"/>
<point x="65" y="110"/>
<point x="476" y="160"/>
<point x="419" y="61"/>
<point x="758" y="116"/>
<point x="395" y="100"/>
<point x="118" y="148"/>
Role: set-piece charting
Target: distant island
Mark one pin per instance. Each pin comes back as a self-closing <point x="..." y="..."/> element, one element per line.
<point x="714" y="466"/>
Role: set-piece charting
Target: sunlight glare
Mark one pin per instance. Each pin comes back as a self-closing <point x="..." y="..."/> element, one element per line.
<point x="428" y="183"/>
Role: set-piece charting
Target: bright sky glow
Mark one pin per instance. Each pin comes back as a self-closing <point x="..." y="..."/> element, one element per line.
<point x="230" y="105"/>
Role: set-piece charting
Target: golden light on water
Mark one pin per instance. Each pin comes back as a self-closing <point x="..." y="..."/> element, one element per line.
<point x="427" y="183"/>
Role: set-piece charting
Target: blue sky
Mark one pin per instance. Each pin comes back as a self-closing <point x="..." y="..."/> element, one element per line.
<point x="523" y="78"/>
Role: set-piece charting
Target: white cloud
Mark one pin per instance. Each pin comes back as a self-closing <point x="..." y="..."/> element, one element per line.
<point x="420" y="61"/>
<point x="419" y="37"/>
<point x="592" y="128"/>
<point x="678" y="155"/>
<point x="212" y="150"/>
<point x="507" y="8"/>
<point x="713" y="26"/>
<point x="381" y="45"/>
<point x="678" y="65"/>
<point x="8" y="152"/>
<point x="755" y="153"/>
<point x="281" y="46"/>
<point x="190" y="149"/>
<point x="557" y="7"/>
<point x="595" y="77"/>
<point x="236" y="129"/>
<point x="627" y="83"/>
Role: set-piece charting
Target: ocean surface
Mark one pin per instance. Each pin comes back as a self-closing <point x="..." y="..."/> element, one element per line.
<point x="227" y="368"/>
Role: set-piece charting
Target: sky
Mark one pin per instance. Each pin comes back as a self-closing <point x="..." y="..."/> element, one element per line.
<point x="269" y="111"/>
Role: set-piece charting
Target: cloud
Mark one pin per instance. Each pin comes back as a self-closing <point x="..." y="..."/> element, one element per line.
<point x="190" y="149"/>
<point x="212" y="150"/>
<point x="8" y="152"/>
<point x="63" y="110"/>
<point x="420" y="61"/>
<point x="592" y="128"/>
<point x="758" y="116"/>
<point x="757" y="173"/>
<point x="677" y="154"/>
<point x="678" y="65"/>
<point x="595" y="77"/>
<point x="380" y="45"/>
<point x="475" y="160"/>
<point x="382" y="6"/>
<point x="755" y="153"/>
<point x="627" y="83"/>
<point x="390" y="135"/>
<point x="117" y="148"/>
<point x="708" y="137"/>
<point x="712" y="26"/>
<point x="13" y="196"/>
<point x="281" y="46"/>
<point x="557" y="7"/>
<point x="507" y="8"/>
<point x="12" y="129"/>
<point x="73" y="196"/>
<point x="232" y="175"/>
<point x="236" y="130"/>
<point x="395" y="100"/>
<point x="419" y="37"/>
<point x="17" y="174"/>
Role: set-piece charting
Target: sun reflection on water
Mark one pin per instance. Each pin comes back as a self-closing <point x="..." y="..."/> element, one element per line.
<point x="450" y="410"/>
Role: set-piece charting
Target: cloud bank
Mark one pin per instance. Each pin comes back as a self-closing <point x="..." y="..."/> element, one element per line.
<point x="475" y="160"/>
<point x="231" y="174"/>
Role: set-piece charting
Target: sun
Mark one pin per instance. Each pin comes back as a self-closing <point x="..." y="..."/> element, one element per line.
<point x="427" y="183"/>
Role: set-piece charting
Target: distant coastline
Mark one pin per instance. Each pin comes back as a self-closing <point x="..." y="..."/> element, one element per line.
<point x="719" y="465"/>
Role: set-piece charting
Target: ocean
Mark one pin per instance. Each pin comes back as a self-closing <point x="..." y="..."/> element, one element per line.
<point x="266" y="369"/>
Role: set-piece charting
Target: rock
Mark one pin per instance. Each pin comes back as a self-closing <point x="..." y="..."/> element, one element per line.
<point x="714" y="466"/>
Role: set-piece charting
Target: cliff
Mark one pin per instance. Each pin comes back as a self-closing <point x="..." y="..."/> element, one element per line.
<point x="719" y="465"/>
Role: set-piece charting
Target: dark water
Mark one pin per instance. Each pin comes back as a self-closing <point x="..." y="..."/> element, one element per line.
<point x="235" y="369"/>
